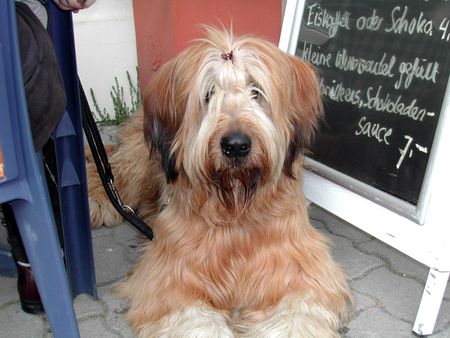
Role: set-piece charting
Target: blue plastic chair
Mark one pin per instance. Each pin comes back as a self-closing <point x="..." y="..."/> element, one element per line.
<point x="24" y="186"/>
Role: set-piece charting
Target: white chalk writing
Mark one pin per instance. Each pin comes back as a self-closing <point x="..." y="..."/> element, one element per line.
<point x="321" y="18"/>
<point x="400" y="23"/>
<point x="404" y="150"/>
<point x="315" y="57"/>
<point x="418" y="69"/>
<point x="394" y="105"/>
<point x="339" y="93"/>
<point x="445" y="29"/>
<point x="371" y="23"/>
<point x="347" y="62"/>
<point x="392" y="77"/>
<point x="373" y="130"/>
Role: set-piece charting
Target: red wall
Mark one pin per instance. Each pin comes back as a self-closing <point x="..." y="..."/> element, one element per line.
<point x="164" y="27"/>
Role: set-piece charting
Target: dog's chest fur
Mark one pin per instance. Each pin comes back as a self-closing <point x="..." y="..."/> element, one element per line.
<point x="237" y="267"/>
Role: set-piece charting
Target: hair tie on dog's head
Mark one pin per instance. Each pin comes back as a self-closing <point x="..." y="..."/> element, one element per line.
<point x="227" y="56"/>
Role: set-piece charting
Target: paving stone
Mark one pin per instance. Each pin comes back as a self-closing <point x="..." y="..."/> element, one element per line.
<point x="447" y="292"/>
<point x="337" y="226"/>
<point x="109" y="260"/>
<point x="361" y="301"/>
<point x="101" y="232"/>
<point x="354" y="262"/>
<point x="374" y="323"/>
<point x="14" y="323"/>
<point x="443" y="334"/>
<point x="132" y="253"/>
<point x="399" y="296"/>
<point x="443" y="319"/>
<point x="115" y="311"/>
<point x="317" y="223"/>
<point x="399" y="262"/>
<point x="125" y="232"/>
<point x="93" y="327"/>
<point x="85" y="306"/>
<point x="8" y="290"/>
<point x="131" y="240"/>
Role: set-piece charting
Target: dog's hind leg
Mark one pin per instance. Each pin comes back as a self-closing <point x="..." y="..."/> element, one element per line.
<point x="135" y="176"/>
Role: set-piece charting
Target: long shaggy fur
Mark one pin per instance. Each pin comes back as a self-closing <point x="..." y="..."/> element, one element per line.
<point x="234" y="253"/>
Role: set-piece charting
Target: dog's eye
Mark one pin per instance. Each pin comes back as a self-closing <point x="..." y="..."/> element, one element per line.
<point x="255" y="91"/>
<point x="256" y="94"/>
<point x="208" y="95"/>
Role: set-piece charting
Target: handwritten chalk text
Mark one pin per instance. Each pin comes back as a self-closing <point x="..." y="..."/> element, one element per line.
<point x="319" y="17"/>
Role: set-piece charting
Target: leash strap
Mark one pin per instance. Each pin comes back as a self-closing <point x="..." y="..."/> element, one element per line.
<point x="104" y="168"/>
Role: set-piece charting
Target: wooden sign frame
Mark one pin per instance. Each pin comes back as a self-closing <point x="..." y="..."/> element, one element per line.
<point x="422" y="232"/>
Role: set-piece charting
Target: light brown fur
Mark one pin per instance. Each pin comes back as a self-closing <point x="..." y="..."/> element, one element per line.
<point x="234" y="253"/>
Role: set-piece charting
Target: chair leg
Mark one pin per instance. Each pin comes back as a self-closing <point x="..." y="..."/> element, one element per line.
<point x="39" y="235"/>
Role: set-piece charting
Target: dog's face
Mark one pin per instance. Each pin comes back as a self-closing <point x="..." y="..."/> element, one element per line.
<point x="231" y="114"/>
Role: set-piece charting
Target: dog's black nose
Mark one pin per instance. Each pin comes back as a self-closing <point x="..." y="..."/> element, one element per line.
<point x="236" y="144"/>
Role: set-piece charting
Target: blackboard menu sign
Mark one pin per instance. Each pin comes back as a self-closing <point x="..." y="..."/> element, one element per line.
<point x="384" y="67"/>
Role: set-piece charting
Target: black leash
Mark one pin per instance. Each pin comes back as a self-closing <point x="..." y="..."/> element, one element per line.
<point x="104" y="168"/>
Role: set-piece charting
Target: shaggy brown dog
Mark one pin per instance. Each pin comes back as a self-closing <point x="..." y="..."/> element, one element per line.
<point x="234" y="253"/>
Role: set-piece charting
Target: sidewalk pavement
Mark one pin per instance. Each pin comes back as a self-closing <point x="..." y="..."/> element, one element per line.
<point x="386" y="284"/>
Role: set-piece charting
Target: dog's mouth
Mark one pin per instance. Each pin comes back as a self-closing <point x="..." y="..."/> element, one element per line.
<point x="235" y="164"/>
<point x="236" y="185"/>
<point x="238" y="168"/>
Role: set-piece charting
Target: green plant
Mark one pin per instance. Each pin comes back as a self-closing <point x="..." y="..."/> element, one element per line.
<point x="135" y="91"/>
<point x="122" y="109"/>
<point x="101" y="116"/>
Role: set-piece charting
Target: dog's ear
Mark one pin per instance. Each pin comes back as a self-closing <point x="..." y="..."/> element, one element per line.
<point x="306" y="109"/>
<point x="162" y="117"/>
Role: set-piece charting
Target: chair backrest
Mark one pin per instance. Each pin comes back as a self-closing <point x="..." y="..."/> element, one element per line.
<point x="16" y="143"/>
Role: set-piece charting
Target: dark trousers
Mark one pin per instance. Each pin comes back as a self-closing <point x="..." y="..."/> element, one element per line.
<point x="14" y="239"/>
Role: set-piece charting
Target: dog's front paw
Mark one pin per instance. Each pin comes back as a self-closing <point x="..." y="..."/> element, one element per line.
<point x="102" y="212"/>
<point x="194" y="322"/>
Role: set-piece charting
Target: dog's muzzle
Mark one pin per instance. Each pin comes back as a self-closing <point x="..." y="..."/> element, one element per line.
<point x="236" y="145"/>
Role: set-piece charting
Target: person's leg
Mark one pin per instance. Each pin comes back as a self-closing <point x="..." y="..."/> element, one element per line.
<point x="26" y="286"/>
